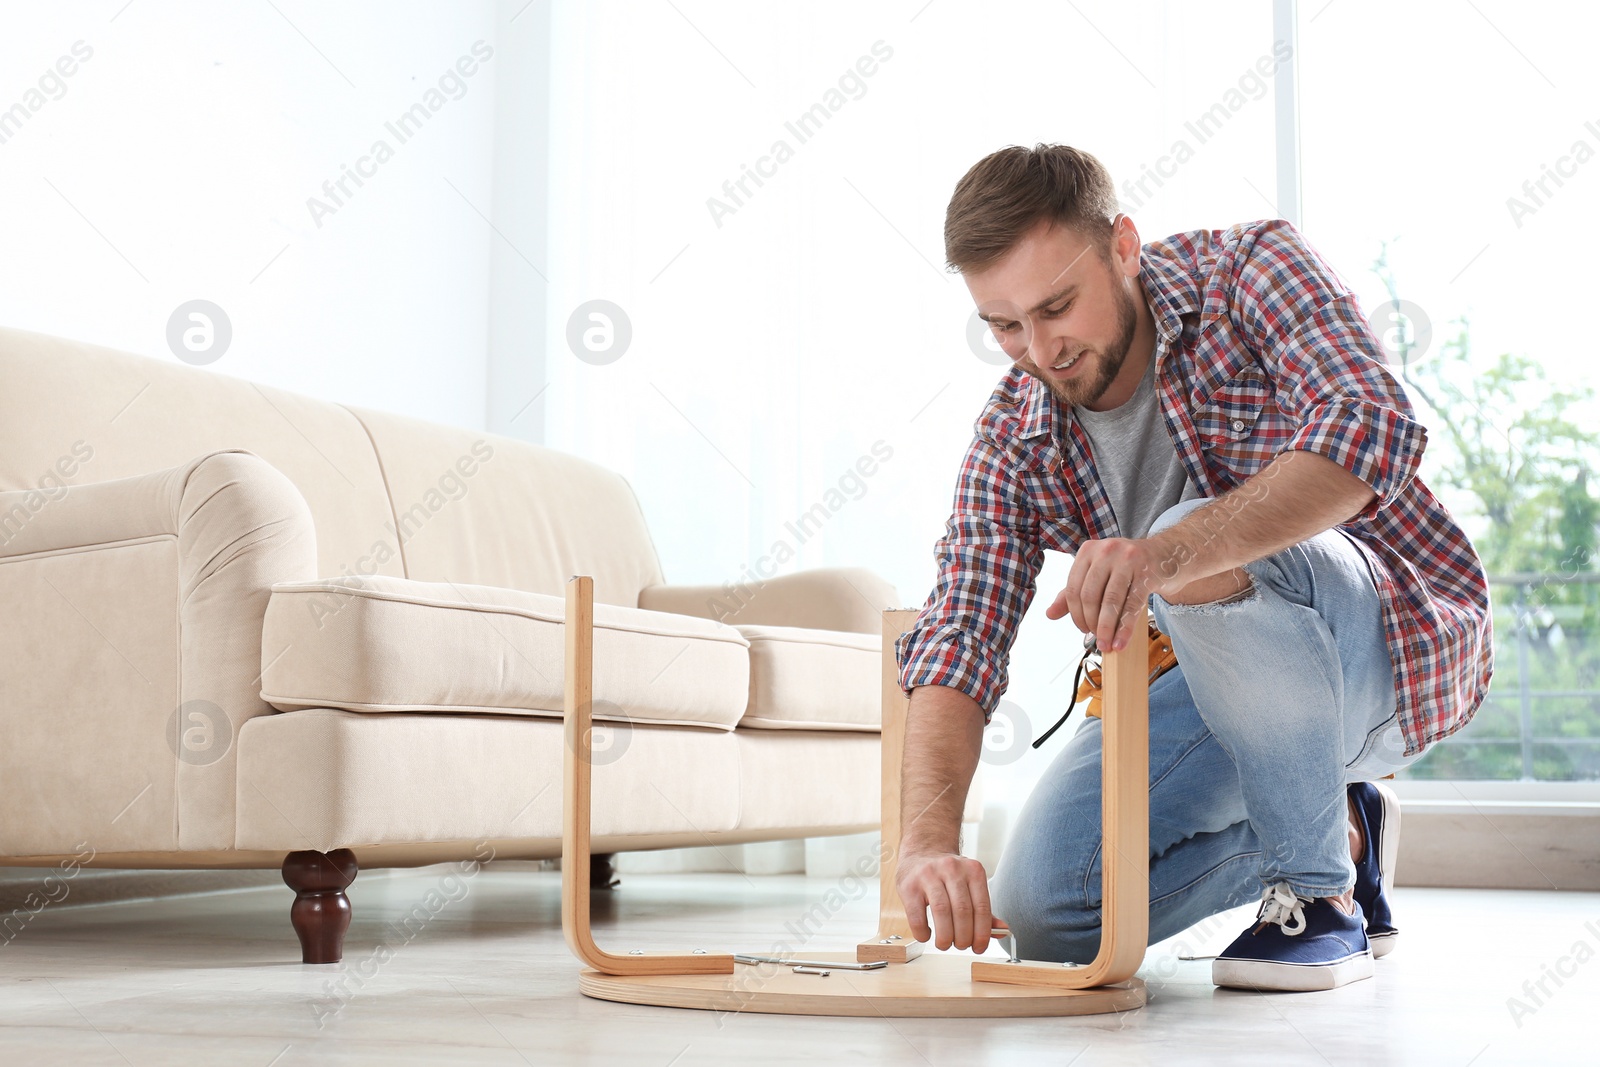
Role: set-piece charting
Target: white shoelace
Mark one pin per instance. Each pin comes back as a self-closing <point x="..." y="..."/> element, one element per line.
<point x="1279" y="905"/>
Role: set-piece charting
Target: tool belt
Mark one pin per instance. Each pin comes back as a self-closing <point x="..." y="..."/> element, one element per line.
<point x="1088" y="685"/>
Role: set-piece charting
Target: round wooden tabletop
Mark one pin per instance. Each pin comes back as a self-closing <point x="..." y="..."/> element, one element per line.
<point x="929" y="986"/>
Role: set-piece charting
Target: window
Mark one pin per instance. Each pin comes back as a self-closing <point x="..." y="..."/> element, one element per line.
<point x="1454" y="186"/>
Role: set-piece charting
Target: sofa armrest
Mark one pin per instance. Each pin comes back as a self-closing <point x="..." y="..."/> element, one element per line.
<point x="131" y="651"/>
<point x="824" y="598"/>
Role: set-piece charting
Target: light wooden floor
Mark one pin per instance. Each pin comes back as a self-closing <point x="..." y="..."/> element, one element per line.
<point x="485" y="978"/>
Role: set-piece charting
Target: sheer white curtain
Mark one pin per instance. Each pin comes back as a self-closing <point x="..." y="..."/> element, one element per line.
<point x="786" y="326"/>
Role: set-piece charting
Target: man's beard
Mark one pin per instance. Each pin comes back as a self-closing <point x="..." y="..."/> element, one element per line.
<point x="1086" y="391"/>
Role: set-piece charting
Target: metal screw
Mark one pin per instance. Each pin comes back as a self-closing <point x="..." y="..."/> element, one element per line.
<point x="636" y="952"/>
<point x="699" y="952"/>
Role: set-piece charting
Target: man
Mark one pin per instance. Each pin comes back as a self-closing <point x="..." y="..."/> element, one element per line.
<point x="1204" y="423"/>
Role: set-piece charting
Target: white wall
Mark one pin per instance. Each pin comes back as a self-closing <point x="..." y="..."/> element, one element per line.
<point x="773" y="346"/>
<point x="176" y="162"/>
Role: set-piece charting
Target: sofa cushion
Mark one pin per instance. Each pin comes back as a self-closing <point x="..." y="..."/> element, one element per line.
<point x="813" y="679"/>
<point x="381" y="644"/>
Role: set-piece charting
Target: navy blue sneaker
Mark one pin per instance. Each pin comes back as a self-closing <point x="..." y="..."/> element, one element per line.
<point x="1378" y="810"/>
<point x="1296" y="945"/>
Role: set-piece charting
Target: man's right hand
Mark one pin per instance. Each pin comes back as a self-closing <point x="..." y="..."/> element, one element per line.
<point x="955" y="890"/>
<point x="944" y="735"/>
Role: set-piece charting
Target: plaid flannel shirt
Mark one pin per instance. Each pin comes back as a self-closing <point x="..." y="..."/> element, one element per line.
<point x="1260" y="349"/>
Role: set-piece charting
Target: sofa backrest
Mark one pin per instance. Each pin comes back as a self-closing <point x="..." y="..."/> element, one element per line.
<point x="482" y="509"/>
<point x="389" y="495"/>
<point x="134" y="415"/>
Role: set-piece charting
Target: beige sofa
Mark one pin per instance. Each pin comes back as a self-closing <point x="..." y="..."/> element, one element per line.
<point x="243" y="624"/>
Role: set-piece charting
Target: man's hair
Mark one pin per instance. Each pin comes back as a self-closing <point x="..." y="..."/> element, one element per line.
<point x="1008" y="192"/>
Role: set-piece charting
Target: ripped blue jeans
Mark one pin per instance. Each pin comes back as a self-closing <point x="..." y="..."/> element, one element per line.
<point x="1281" y="697"/>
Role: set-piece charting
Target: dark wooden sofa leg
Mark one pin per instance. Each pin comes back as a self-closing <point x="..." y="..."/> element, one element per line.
<point x="602" y="874"/>
<point x="321" y="911"/>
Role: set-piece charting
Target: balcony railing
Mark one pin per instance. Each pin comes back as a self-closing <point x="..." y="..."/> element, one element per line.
<point x="1533" y="622"/>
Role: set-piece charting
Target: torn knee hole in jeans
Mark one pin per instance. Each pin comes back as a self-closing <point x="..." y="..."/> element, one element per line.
<point x="1211" y="607"/>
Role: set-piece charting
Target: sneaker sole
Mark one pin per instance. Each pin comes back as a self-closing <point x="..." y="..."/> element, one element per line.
<point x="1389" y="855"/>
<point x="1260" y="975"/>
<point x="1390" y="832"/>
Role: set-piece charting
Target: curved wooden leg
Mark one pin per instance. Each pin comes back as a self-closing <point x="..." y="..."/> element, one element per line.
<point x="1124" y="829"/>
<point x="577" y="768"/>
<point x="321" y="911"/>
<point x="944" y="987"/>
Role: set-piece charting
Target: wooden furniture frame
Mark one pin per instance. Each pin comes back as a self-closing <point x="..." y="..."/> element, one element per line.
<point x="577" y="768"/>
<point x="912" y="984"/>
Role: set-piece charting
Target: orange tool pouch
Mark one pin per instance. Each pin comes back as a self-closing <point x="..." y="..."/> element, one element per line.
<point x="1087" y="684"/>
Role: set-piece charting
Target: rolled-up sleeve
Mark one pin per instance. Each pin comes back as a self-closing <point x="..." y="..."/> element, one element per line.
<point x="1326" y="363"/>
<point x="988" y="559"/>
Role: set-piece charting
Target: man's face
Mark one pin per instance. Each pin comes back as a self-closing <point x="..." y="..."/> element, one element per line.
<point x="1060" y="311"/>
